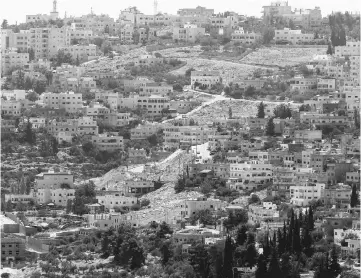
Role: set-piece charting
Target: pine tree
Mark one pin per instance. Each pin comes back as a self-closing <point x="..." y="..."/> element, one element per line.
<point x="274" y="267"/>
<point x="354" y="197"/>
<point x="270" y="127"/>
<point x="261" y="271"/>
<point x="241" y="235"/>
<point x="334" y="268"/>
<point x="251" y="255"/>
<point x="9" y="206"/>
<point x="260" y="110"/>
<point x="227" y="271"/>
<point x="250" y="238"/>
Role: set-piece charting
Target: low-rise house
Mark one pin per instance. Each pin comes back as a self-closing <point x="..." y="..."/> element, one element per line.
<point x="219" y="170"/>
<point x="148" y="60"/>
<point x="194" y="233"/>
<point x="70" y="101"/>
<point x="182" y="106"/>
<point x="190" y="207"/>
<point x="13" y="94"/>
<point x="64" y="136"/>
<point x="8" y="126"/>
<point x="188" y="33"/>
<point x="137" y="154"/>
<point x="303" y="84"/>
<point x="292" y="36"/>
<point x="144" y="131"/>
<point x="138" y="187"/>
<point x="22" y="198"/>
<point x="245" y="38"/>
<point x="326" y="84"/>
<point x="156" y="89"/>
<point x="117" y="119"/>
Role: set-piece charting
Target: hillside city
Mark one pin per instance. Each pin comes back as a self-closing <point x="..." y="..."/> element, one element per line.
<point x="200" y="144"/>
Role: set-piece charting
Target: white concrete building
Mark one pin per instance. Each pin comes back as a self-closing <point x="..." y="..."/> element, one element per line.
<point x="205" y="78"/>
<point x="188" y="33"/>
<point x="13" y="94"/>
<point x="53" y="180"/>
<point x="71" y="101"/>
<point x="11" y="60"/>
<point x="293" y="36"/>
<point x="84" y="52"/>
<point x="301" y="195"/>
<point x="258" y="213"/>
<point x="110" y="201"/>
<point x="11" y="107"/>
<point x="251" y="172"/>
<point x="108" y="142"/>
<point x="350" y="49"/>
<point x="145" y="130"/>
<point x="245" y="38"/>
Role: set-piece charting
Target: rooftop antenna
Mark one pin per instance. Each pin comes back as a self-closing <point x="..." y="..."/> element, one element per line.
<point x="155" y="6"/>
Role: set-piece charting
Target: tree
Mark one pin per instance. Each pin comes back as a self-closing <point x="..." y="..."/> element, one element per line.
<point x="282" y="111"/>
<point x="329" y="49"/>
<point x="260" y="110"/>
<point x="261" y="271"/>
<point x="28" y="83"/>
<point x="69" y="206"/>
<point x="274" y="269"/>
<point x="354" y="201"/>
<point x="4" y="24"/>
<point x="270" y="127"/>
<point x="267" y="35"/>
<point x="39" y="86"/>
<point x="200" y="260"/>
<point x="228" y="258"/>
<point x="9" y="206"/>
<point x="230" y="113"/>
<point x="241" y="235"/>
<point x="251" y="254"/>
<point x="29" y="134"/>
<point x="31" y="54"/>
<point x="334" y="268"/>
<point x="32" y="96"/>
<point x="166" y="252"/>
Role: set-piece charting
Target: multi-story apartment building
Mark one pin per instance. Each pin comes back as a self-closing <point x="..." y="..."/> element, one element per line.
<point x="350" y="49"/>
<point x="11" y="60"/>
<point x="97" y="110"/>
<point x="205" y="78"/>
<point x="86" y="126"/>
<point x="302" y="194"/>
<point x="338" y="196"/>
<point x="108" y="142"/>
<point x="70" y="101"/>
<point x="190" y="207"/>
<point x="259" y="213"/>
<point x="12" y="247"/>
<point x="53" y="180"/>
<point x="220" y="170"/>
<point x="198" y="11"/>
<point x="13" y="94"/>
<point x="68" y="126"/>
<point x="326" y="84"/>
<point x="126" y="34"/>
<point x="303" y="84"/>
<point x="182" y="106"/>
<point x="117" y="119"/>
<point x="148" y="60"/>
<point x="153" y="105"/>
<point x="82" y="52"/>
<point x="292" y="36"/>
<point x="352" y="98"/>
<point x="250" y="172"/>
<point x="226" y="23"/>
<point x="307" y="135"/>
<point x="277" y="8"/>
<point x="58" y="196"/>
<point x="185" y="136"/>
<point x="353" y="177"/>
<point x="111" y="201"/>
<point x="144" y="131"/>
<point x="36" y="123"/>
<point x="137" y="187"/>
<point x="245" y="38"/>
<point x="22" y="198"/>
<point x="188" y="33"/>
<point x="11" y="40"/>
<point x="156" y="89"/>
<point x="11" y="107"/>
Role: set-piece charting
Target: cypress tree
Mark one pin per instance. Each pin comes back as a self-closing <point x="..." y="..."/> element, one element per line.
<point x="296" y="240"/>
<point x="274" y="241"/>
<point x="281" y="243"/>
<point x="251" y="255"/>
<point x="260" y="110"/>
<point x="307" y="242"/>
<point x="354" y="197"/>
<point x="266" y="247"/>
<point x="300" y="218"/>
<point x="290" y="232"/>
<point x="270" y="127"/>
<point x="227" y="271"/>
<point x="274" y="269"/>
<point x="261" y="271"/>
<point x="310" y="221"/>
<point x="329" y="49"/>
<point x="285" y="265"/>
<point x="334" y="267"/>
<point x="241" y="235"/>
